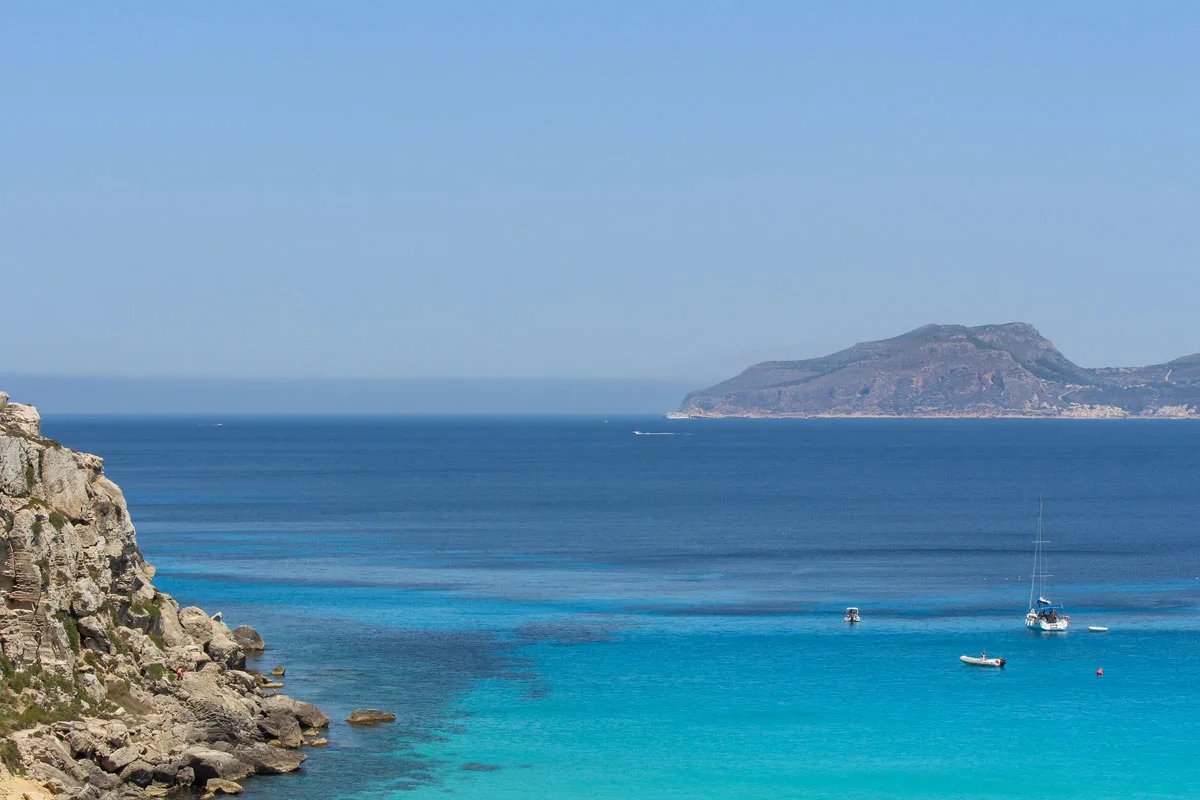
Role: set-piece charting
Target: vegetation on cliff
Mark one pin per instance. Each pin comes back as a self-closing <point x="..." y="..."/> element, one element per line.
<point x="109" y="688"/>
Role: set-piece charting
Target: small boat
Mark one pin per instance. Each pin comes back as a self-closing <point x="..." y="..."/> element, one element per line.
<point x="1043" y="615"/>
<point x="852" y="615"/>
<point x="1097" y="629"/>
<point x="982" y="660"/>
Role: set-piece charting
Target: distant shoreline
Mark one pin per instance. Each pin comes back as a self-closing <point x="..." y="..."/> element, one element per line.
<point x="1080" y="418"/>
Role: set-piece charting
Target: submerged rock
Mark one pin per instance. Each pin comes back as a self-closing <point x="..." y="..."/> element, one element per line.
<point x="216" y="786"/>
<point x="370" y="716"/>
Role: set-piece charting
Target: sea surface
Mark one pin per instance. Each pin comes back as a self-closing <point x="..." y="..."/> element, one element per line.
<point x="561" y="608"/>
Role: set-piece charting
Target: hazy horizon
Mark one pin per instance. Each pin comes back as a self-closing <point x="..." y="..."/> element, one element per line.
<point x="417" y="396"/>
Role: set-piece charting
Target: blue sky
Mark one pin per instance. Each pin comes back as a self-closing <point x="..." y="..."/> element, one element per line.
<point x="661" y="189"/>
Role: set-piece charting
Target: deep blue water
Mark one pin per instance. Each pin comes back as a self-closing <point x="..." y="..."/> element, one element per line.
<point x="558" y="608"/>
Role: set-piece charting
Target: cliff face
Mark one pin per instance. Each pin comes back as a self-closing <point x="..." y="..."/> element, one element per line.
<point x="110" y="689"/>
<point x="953" y="370"/>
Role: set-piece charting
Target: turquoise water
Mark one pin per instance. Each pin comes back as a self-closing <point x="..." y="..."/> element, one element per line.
<point x="558" y="608"/>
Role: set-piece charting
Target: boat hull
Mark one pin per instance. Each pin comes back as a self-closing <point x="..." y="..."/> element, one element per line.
<point x="1036" y="623"/>
<point x="976" y="661"/>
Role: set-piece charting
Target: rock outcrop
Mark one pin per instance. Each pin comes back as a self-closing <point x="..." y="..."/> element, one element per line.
<point x="109" y="688"/>
<point x="370" y="716"/>
<point x="1006" y="370"/>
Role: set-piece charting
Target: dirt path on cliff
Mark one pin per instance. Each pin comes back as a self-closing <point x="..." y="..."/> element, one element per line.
<point x="13" y="787"/>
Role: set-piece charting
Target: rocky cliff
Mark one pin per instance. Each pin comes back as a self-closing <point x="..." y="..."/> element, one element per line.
<point x="110" y="689"/>
<point x="951" y="370"/>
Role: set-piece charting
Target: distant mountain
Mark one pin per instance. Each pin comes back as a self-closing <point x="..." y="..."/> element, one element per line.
<point x="1006" y="370"/>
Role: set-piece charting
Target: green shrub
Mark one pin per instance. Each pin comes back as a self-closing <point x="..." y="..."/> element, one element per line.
<point x="113" y="617"/>
<point x="18" y="681"/>
<point x="29" y="477"/>
<point x="72" y="628"/>
<point x="9" y="757"/>
<point x="57" y="520"/>
<point x="147" y="607"/>
<point x="36" y="527"/>
<point x="157" y="672"/>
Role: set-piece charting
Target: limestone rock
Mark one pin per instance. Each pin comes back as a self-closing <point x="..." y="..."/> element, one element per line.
<point x="90" y="685"/>
<point x="163" y="702"/>
<point x="207" y="763"/>
<point x="119" y="759"/>
<point x="139" y="773"/>
<point x="243" y="679"/>
<point x="223" y="649"/>
<point x="248" y="638"/>
<point x="370" y="716"/>
<point x="215" y="786"/>
<point x="270" y="760"/>
<point x="197" y="625"/>
<point x="307" y="714"/>
<point x="310" y="716"/>
<point x="168" y="625"/>
<point x="282" y="726"/>
<point x="87" y="598"/>
<point x="94" y="633"/>
<point x="169" y="774"/>
<point x="23" y="419"/>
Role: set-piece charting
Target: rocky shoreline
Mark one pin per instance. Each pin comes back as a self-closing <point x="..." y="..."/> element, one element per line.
<point x="110" y="689"/>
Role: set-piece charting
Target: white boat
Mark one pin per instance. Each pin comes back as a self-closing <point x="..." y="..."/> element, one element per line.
<point x="982" y="660"/>
<point x="1097" y="629"/>
<point x="1043" y="615"/>
<point x="852" y="615"/>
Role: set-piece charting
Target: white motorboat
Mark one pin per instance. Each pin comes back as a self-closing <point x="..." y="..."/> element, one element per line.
<point x="852" y="615"/>
<point x="1043" y="615"/>
<point x="982" y="660"/>
<point x="1097" y="629"/>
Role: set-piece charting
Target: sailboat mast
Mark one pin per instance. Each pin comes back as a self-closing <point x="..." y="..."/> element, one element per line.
<point x="1037" y="559"/>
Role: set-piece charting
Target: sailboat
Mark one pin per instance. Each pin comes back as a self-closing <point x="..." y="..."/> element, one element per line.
<point x="1043" y="614"/>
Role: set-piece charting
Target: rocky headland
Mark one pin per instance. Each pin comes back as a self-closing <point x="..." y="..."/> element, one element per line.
<point x="110" y="689"/>
<point x="1007" y="370"/>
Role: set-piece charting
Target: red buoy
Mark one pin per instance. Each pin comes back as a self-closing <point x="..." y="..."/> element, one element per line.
<point x="1100" y="671"/>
